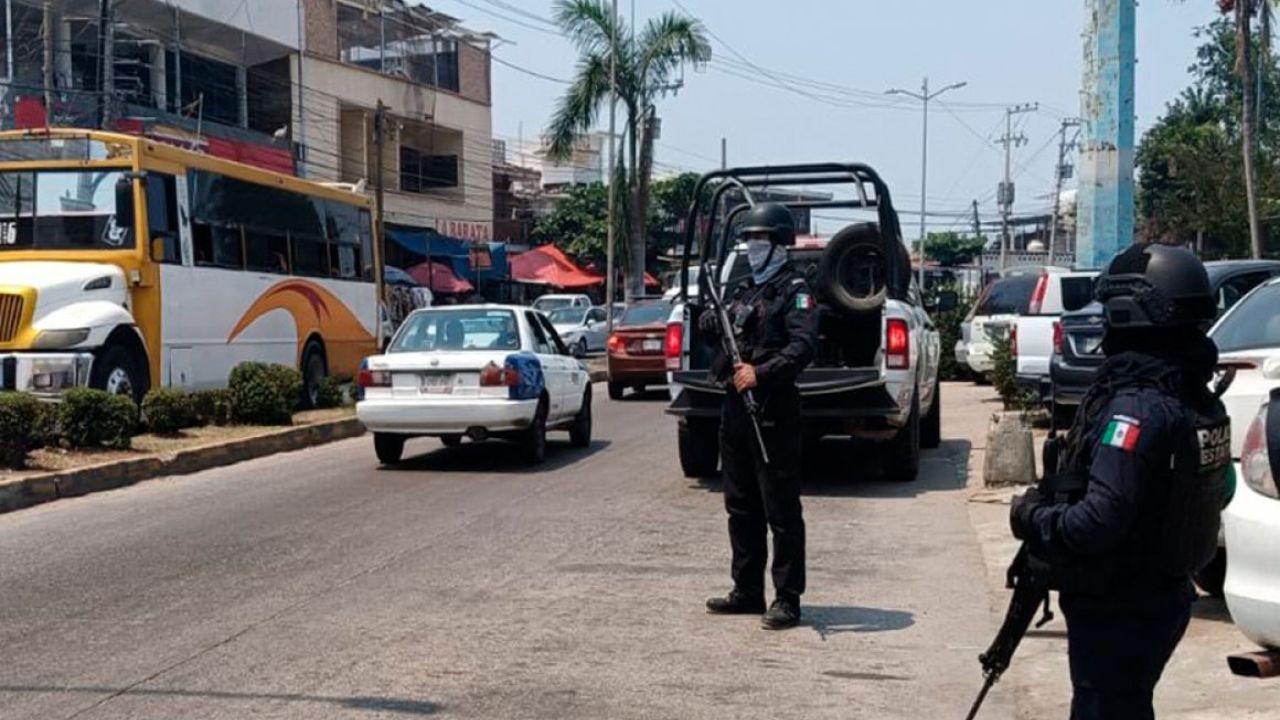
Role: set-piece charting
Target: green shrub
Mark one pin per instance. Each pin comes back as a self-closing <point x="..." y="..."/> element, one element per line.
<point x="212" y="407"/>
<point x="92" y="418"/>
<point x="45" y="433"/>
<point x="289" y="382"/>
<point x="19" y="416"/>
<point x="330" y="393"/>
<point x="1004" y="374"/>
<point x="169" y="410"/>
<point x="949" y="333"/>
<point x="257" y="397"/>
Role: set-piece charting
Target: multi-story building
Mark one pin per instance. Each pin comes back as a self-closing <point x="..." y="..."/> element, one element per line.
<point x="288" y="84"/>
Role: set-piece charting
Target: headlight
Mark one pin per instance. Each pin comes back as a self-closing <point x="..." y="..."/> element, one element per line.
<point x="57" y="339"/>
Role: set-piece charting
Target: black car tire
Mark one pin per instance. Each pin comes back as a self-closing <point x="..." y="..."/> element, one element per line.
<point x="616" y="389"/>
<point x="850" y="273"/>
<point x="534" y="440"/>
<point x="699" y="444"/>
<point x="388" y="447"/>
<point x="931" y="427"/>
<point x="580" y="431"/>
<point x="901" y="458"/>
<point x="314" y="369"/>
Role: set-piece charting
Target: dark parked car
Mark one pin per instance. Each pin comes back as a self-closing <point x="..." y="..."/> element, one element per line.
<point x="1078" y="341"/>
<point x="636" y="349"/>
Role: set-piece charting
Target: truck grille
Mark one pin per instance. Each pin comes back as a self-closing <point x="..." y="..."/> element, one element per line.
<point x="10" y="316"/>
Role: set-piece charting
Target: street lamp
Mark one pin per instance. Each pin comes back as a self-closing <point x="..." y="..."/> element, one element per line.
<point x="924" y="96"/>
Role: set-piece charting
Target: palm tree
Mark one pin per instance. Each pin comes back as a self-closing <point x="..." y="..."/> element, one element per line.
<point x="646" y="65"/>
<point x="1245" y="11"/>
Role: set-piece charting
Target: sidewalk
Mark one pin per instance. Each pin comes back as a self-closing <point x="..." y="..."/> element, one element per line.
<point x="1197" y="684"/>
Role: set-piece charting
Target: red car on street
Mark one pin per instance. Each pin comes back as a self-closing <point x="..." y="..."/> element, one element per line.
<point x="636" y="352"/>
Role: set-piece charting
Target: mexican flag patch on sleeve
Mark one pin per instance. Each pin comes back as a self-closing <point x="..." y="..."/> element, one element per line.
<point x="1122" y="432"/>
<point x="804" y="301"/>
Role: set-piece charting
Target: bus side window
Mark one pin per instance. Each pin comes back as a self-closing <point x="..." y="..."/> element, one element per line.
<point x="162" y="219"/>
<point x="266" y="251"/>
<point x="310" y="256"/>
<point x="217" y="246"/>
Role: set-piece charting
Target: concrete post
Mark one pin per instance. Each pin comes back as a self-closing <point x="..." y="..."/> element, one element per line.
<point x="1105" y="205"/>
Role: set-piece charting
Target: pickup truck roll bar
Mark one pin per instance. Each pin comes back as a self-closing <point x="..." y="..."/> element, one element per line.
<point x="746" y="179"/>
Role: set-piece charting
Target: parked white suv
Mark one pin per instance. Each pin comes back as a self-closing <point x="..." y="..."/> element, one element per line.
<point x="994" y="315"/>
<point x="1037" y="332"/>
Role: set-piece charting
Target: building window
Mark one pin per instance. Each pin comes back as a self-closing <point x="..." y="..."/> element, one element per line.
<point x="420" y="172"/>
<point x="405" y="42"/>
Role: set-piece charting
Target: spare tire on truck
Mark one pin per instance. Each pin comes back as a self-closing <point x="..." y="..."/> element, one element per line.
<point x="851" y="273"/>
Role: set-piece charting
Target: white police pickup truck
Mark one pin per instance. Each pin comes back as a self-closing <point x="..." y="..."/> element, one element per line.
<point x="875" y="374"/>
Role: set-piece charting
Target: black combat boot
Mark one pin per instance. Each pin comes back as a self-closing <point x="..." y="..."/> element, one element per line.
<point x="783" y="613"/>
<point x="736" y="603"/>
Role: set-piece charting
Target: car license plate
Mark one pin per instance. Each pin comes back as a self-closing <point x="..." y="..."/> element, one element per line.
<point x="437" y="383"/>
<point x="651" y="345"/>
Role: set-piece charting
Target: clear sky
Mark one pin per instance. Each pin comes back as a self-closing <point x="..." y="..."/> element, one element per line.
<point x="1008" y="51"/>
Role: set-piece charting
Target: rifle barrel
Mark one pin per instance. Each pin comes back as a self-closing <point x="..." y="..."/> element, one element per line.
<point x="982" y="695"/>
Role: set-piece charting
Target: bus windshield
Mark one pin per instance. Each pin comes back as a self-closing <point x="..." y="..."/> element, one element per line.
<point x="61" y="210"/>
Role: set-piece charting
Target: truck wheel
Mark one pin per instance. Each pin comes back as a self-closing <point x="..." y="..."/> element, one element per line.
<point x="534" y="440"/>
<point x="850" y="273"/>
<point x="931" y="426"/>
<point x="118" y="372"/>
<point x="1214" y="575"/>
<point x="902" y="453"/>
<point x="580" y="431"/>
<point x="615" y="390"/>
<point x="389" y="448"/>
<point x="699" y="443"/>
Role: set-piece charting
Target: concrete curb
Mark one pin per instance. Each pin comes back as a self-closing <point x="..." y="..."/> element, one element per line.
<point x="36" y="489"/>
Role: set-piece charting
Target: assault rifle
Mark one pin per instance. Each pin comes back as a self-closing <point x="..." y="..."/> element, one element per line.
<point x="735" y="357"/>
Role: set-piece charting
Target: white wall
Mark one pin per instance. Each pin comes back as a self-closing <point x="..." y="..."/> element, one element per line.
<point x="276" y="20"/>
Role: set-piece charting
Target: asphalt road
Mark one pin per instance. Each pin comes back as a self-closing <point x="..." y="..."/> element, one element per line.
<point x="316" y="585"/>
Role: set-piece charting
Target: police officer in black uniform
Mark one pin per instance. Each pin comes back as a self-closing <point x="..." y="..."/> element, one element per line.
<point x="775" y="321"/>
<point x="1144" y="470"/>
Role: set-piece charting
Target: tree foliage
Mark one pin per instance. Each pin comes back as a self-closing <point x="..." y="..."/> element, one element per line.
<point x="1191" y="168"/>
<point x="647" y="60"/>
<point x="950" y="249"/>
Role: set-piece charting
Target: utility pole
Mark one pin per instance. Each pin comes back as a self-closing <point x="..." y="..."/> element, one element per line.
<point x="1005" y="193"/>
<point x="48" y="62"/>
<point x="1061" y="172"/>
<point x="107" y="28"/>
<point x="924" y="97"/>
<point x="977" y="226"/>
<point x="379" y="139"/>
<point x="613" y="185"/>
<point x="724" y="153"/>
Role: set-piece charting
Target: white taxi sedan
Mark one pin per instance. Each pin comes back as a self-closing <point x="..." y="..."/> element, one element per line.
<point x="475" y="371"/>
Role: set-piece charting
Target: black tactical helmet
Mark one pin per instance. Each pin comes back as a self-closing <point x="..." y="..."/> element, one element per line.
<point x="774" y="219"/>
<point x="1156" y="286"/>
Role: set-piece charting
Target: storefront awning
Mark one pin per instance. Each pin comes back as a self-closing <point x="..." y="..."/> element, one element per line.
<point x="547" y="265"/>
<point x="439" y="277"/>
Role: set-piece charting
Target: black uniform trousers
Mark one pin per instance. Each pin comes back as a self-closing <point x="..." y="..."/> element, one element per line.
<point x="1119" y="644"/>
<point x="759" y="496"/>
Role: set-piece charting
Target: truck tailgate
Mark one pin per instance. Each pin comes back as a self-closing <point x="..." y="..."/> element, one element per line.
<point x="824" y="392"/>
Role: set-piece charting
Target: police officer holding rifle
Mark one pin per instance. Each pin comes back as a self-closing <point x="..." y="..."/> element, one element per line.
<point x="1132" y="510"/>
<point x="772" y="323"/>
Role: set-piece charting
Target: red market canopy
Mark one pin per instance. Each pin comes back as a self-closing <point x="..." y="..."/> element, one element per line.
<point x="546" y="264"/>
<point x="650" y="281"/>
<point x="439" y="277"/>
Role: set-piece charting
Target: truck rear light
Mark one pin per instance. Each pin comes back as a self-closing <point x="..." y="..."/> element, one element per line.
<point x="1057" y="337"/>
<point x="1037" y="295"/>
<point x="1013" y="341"/>
<point x="615" y="343"/>
<point x="897" y="344"/>
<point x="493" y="376"/>
<point x="1255" y="461"/>
<point x="367" y="378"/>
<point x="673" y="345"/>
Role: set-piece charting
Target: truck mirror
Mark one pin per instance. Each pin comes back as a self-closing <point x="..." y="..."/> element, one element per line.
<point x="124" y="202"/>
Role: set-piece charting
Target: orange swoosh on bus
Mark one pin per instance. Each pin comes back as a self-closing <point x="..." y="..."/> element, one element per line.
<point x="315" y="310"/>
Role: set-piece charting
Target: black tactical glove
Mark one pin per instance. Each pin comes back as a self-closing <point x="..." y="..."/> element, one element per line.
<point x="708" y="323"/>
<point x="1022" y="510"/>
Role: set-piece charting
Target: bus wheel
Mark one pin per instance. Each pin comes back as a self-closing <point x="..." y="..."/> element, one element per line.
<point x="117" y="371"/>
<point x="314" y="370"/>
